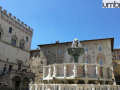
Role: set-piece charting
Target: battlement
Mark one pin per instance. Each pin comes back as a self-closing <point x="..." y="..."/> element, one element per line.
<point x="16" y="20"/>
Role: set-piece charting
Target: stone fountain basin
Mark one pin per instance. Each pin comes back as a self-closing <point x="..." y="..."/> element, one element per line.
<point x="76" y="51"/>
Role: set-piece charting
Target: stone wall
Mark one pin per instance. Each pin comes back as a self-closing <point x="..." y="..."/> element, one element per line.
<point x="9" y="54"/>
<point x="93" y="54"/>
<point x="37" y="62"/>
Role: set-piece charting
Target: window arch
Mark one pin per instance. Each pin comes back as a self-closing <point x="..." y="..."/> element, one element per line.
<point x="19" y="66"/>
<point x="101" y="62"/>
<point x="10" y="29"/>
<point x="20" y="63"/>
<point x="26" y="39"/>
<point x="101" y="58"/>
<point x="48" y="52"/>
<point x="100" y="48"/>
<point x="22" y="44"/>
<point x="87" y="59"/>
<point x="86" y="49"/>
<point x="14" y="40"/>
<point x="115" y="65"/>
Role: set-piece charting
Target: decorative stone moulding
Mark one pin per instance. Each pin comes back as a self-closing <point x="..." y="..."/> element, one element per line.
<point x="77" y="71"/>
<point x="72" y="87"/>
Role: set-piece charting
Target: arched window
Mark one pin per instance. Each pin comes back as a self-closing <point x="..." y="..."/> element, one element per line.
<point x="86" y="49"/>
<point x="22" y="44"/>
<point x="101" y="62"/>
<point x="26" y="39"/>
<point x="100" y="48"/>
<point x="87" y="61"/>
<point x="19" y="66"/>
<point x="115" y="65"/>
<point x="48" y="52"/>
<point x="13" y="42"/>
<point x="60" y="50"/>
<point x="10" y="30"/>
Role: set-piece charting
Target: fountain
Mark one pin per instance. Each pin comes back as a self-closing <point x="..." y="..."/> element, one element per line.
<point x="76" y="50"/>
<point x="76" y="76"/>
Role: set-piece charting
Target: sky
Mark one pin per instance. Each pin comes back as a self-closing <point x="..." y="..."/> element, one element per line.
<point x="65" y="20"/>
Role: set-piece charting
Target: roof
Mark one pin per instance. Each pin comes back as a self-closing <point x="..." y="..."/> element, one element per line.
<point x="116" y="49"/>
<point x="35" y="50"/>
<point x="112" y="42"/>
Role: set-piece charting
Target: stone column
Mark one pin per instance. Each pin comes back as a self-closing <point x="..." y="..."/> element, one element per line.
<point x="85" y="70"/>
<point x="65" y="70"/>
<point x="60" y="87"/>
<point x="75" y="70"/>
<point x="49" y="71"/>
<point x="36" y="87"/>
<point x="108" y="88"/>
<point x="30" y="87"/>
<point x="44" y="72"/>
<point x="55" y="70"/>
<point x="97" y="71"/>
<point x="93" y="87"/>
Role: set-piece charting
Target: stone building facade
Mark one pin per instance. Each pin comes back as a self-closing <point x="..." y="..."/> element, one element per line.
<point x="37" y="61"/>
<point x="15" y="44"/>
<point x="98" y="51"/>
<point x="116" y="64"/>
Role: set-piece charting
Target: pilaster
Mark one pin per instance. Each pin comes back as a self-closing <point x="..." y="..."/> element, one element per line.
<point x="55" y="70"/>
<point x="65" y="70"/>
<point x="75" y="70"/>
<point x="49" y="71"/>
<point x="85" y="69"/>
<point x="44" y="72"/>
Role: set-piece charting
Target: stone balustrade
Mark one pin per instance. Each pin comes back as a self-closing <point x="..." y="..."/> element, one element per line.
<point x="77" y="71"/>
<point x="72" y="87"/>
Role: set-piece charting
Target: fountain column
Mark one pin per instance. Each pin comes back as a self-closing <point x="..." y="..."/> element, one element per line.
<point x="30" y="86"/>
<point x="75" y="70"/>
<point x="36" y="87"/>
<point x="49" y="71"/>
<point x="55" y="70"/>
<point x="97" y="72"/>
<point x="60" y="87"/>
<point x="43" y="72"/>
<point x="65" y="70"/>
<point x="85" y="70"/>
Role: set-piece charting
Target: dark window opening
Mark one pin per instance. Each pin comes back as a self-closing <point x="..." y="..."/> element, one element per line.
<point x="13" y="42"/>
<point x="21" y="45"/>
<point x="10" y="67"/>
<point x="26" y="39"/>
<point x="19" y="66"/>
<point x="10" y="30"/>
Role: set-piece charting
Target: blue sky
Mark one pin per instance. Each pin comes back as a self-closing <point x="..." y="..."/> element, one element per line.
<point x="64" y="20"/>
